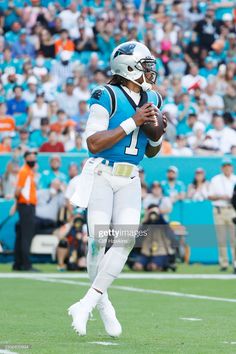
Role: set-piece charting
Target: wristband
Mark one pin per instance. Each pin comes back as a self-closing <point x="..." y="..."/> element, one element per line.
<point x="155" y="143"/>
<point x="128" y="125"/>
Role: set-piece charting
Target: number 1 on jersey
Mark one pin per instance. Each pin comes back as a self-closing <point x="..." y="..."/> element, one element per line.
<point x="132" y="149"/>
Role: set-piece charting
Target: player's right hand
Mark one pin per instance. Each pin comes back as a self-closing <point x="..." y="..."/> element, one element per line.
<point x="146" y="113"/>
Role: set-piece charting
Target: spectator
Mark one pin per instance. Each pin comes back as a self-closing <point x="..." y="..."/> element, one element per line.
<point x="198" y="189"/>
<point x="26" y="202"/>
<point x="7" y="123"/>
<point x="214" y="102"/>
<point x="173" y="187"/>
<point x="9" y="180"/>
<point x="47" y="47"/>
<point x="220" y="192"/>
<point x="230" y="99"/>
<point x="23" y="48"/>
<point x="73" y="170"/>
<point x="62" y="122"/>
<point x="181" y="148"/>
<point x="29" y="95"/>
<point x="84" y="42"/>
<point x="22" y="142"/>
<point x="50" y="201"/>
<point x="78" y="145"/>
<point x="5" y="144"/>
<point x="68" y="100"/>
<point x="223" y="137"/>
<point x="52" y="145"/>
<point x="82" y="116"/>
<point x="62" y="69"/>
<point x="54" y="173"/>
<point x="38" y="110"/>
<point x="82" y="91"/>
<point x="157" y="198"/>
<point x="39" y="137"/>
<point x="64" y="43"/>
<point x="17" y="104"/>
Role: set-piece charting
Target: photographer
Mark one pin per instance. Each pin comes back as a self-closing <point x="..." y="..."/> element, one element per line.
<point x="50" y="201"/>
<point x="158" y="247"/>
<point x="72" y="248"/>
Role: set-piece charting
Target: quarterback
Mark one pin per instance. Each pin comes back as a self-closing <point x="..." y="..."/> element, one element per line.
<point x="109" y="185"/>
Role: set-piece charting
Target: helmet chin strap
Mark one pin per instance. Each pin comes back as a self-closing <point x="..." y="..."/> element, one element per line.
<point x="145" y="86"/>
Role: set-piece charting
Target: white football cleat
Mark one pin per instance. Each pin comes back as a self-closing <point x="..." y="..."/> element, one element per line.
<point x="80" y="315"/>
<point x="108" y="316"/>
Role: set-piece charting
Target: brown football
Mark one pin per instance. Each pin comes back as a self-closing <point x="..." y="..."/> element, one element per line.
<point x="154" y="131"/>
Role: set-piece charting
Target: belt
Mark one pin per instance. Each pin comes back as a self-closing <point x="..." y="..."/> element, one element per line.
<point x="119" y="169"/>
<point x="107" y="163"/>
<point x="223" y="207"/>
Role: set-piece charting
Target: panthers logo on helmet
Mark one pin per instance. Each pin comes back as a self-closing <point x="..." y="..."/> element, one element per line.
<point x="127" y="49"/>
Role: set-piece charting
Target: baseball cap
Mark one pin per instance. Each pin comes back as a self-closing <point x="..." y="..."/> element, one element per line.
<point x="199" y="170"/>
<point x="70" y="81"/>
<point x="23" y="131"/>
<point x="226" y="161"/>
<point x="173" y="169"/>
<point x="55" y="157"/>
<point x="65" y="55"/>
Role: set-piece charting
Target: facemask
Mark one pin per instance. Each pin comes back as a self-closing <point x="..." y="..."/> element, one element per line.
<point x="31" y="164"/>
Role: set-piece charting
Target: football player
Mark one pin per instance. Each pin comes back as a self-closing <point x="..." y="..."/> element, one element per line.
<point x="117" y="144"/>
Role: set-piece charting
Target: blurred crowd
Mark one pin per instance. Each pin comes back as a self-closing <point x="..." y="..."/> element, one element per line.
<point x="53" y="53"/>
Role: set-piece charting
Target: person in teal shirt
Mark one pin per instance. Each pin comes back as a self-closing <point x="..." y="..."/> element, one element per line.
<point x="78" y="146"/>
<point x="172" y="187"/>
<point x="48" y="176"/>
<point x="38" y="137"/>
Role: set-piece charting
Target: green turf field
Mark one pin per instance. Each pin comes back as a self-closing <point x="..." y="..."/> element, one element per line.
<point x="154" y="314"/>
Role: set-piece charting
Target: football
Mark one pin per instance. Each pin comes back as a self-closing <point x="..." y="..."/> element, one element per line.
<point x="154" y="131"/>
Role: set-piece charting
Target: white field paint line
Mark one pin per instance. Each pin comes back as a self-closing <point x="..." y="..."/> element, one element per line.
<point x="225" y="342"/>
<point x="122" y="276"/>
<point x="145" y="291"/>
<point x="3" y="351"/>
<point x="103" y="343"/>
<point x="190" y="319"/>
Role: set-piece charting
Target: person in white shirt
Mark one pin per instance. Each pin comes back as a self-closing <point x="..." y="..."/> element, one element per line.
<point x="67" y="99"/>
<point x="223" y="136"/>
<point x="180" y="147"/>
<point x="193" y="78"/>
<point x="69" y="17"/>
<point x="164" y="204"/>
<point x="220" y="193"/>
<point x="198" y="189"/>
<point x="214" y="102"/>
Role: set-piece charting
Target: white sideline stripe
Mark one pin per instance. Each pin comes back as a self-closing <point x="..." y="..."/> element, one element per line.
<point x="122" y="276"/>
<point x="141" y="290"/>
<point x="190" y="319"/>
<point x="103" y="343"/>
<point x="3" y="351"/>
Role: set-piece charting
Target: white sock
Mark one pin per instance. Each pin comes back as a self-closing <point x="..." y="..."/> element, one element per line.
<point x="110" y="267"/>
<point x="91" y="298"/>
<point x="94" y="257"/>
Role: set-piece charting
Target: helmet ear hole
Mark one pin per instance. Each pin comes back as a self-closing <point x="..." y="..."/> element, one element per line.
<point x="130" y="69"/>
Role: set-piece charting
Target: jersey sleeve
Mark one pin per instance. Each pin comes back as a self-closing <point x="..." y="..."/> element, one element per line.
<point x="101" y="96"/>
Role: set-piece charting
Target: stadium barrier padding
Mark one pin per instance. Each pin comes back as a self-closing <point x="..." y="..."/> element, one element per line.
<point x="196" y="216"/>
